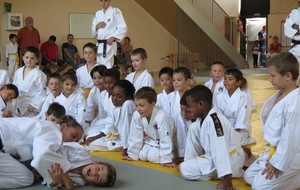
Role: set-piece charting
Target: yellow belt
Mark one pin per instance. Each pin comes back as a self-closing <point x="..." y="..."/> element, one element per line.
<point x="86" y="92"/>
<point x="231" y="153"/>
<point x="272" y="150"/>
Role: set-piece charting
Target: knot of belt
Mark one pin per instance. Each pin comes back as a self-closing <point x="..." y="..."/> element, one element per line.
<point x="104" y="42"/>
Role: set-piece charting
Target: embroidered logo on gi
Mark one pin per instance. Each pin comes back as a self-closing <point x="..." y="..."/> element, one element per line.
<point x="218" y="125"/>
<point x="108" y="20"/>
<point x="155" y="126"/>
<point x="221" y="89"/>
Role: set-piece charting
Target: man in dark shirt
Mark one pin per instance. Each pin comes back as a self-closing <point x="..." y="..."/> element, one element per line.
<point x="70" y="52"/>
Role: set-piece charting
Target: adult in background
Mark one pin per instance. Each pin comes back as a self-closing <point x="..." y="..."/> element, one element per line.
<point x="262" y="43"/>
<point x="275" y="47"/>
<point x="28" y="36"/>
<point x="109" y="27"/>
<point x="50" y="56"/>
<point x="291" y="30"/>
<point x="70" y="52"/>
<point x="126" y="52"/>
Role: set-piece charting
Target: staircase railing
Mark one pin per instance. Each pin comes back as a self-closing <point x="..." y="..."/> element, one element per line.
<point x="200" y="43"/>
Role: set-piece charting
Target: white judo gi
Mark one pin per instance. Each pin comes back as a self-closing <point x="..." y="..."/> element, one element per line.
<point x="78" y="156"/>
<point x="118" y="125"/>
<point x="237" y="109"/>
<point x="4" y="77"/>
<point x="100" y="122"/>
<point x="48" y="100"/>
<point x="28" y="139"/>
<point x="11" y="53"/>
<point x="115" y="27"/>
<point x="280" y="130"/>
<point x="212" y="150"/>
<point x="289" y="31"/>
<point x="145" y="79"/>
<point x="152" y="141"/>
<point x="84" y="79"/>
<point x="32" y="91"/>
<point x="74" y="105"/>
<point x="164" y="101"/>
<point x="218" y="88"/>
<point x="93" y="106"/>
<point x="5" y="106"/>
<point x="181" y="128"/>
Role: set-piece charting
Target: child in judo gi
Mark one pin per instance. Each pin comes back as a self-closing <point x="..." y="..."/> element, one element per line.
<point x="110" y="77"/>
<point x="278" y="165"/>
<point x="7" y="93"/>
<point x="213" y="147"/>
<point x="25" y="139"/>
<point x="235" y="105"/>
<point x="166" y="81"/>
<point x="93" y="108"/>
<point x="152" y="132"/>
<point x="12" y="57"/>
<point x="216" y="82"/>
<point x="55" y="87"/>
<point x="141" y="77"/>
<point x="84" y="72"/>
<point x="109" y="27"/>
<point x="72" y="100"/>
<point x="118" y="127"/>
<point x="31" y="82"/>
<point x="83" y="170"/>
<point x="181" y="82"/>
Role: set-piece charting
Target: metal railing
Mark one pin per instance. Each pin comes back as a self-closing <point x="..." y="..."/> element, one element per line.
<point x="196" y="50"/>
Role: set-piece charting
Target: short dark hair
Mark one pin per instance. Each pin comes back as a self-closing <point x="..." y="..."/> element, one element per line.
<point x="146" y="93"/>
<point x="70" y="76"/>
<point x="127" y="38"/>
<point x="33" y="50"/>
<point x="127" y="86"/>
<point x="216" y="63"/>
<point x="285" y="62"/>
<point x="185" y="71"/>
<point x="11" y="36"/>
<point x="238" y="76"/>
<point x="12" y="87"/>
<point x="70" y="121"/>
<point x="99" y="69"/>
<point x="166" y="70"/>
<point x="140" y="51"/>
<point x="52" y="38"/>
<point x="56" y="110"/>
<point x="115" y="73"/>
<point x="236" y="73"/>
<point x="55" y="76"/>
<point x="90" y="45"/>
<point x="200" y="93"/>
<point x="70" y="35"/>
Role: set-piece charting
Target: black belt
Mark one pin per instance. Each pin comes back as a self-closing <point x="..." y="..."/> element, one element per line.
<point x="104" y="42"/>
<point x="295" y="41"/>
<point x="1" y="145"/>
